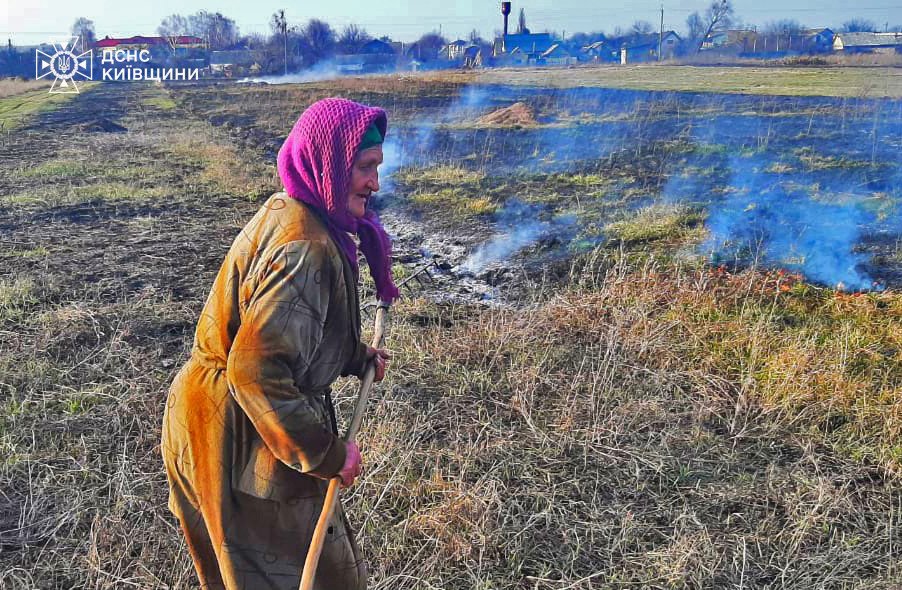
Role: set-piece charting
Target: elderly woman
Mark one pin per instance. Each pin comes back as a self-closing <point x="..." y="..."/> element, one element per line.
<point x="249" y="433"/>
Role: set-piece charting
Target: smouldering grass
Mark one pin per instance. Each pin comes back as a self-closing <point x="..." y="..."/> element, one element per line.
<point x="577" y="181"/>
<point x="453" y="201"/>
<point x="780" y="168"/>
<point x="658" y="222"/>
<point x="815" y="162"/>
<point x="441" y="176"/>
<point x="710" y="149"/>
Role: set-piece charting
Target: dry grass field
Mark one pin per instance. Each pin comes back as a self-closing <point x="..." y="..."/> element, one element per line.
<point x="627" y="416"/>
<point x="873" y="82"/>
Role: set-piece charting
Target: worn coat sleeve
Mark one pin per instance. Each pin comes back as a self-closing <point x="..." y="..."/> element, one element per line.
<point x="357" y="364"/>
<point x="278" y="338"/>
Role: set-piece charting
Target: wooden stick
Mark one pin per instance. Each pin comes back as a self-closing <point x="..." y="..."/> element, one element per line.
<point x="322" y="525"/>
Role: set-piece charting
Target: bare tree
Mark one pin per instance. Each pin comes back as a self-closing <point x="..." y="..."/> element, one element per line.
<point x="642" y="27"/>
<point x="784" y="33"/>
<point x="319" y="38"/>
<point x="220" y="32"/>
<point x="718" y="16"/>
<point x="474" y="38"/>
<point x="858" y="25"/>
<point x="521" y="23"/>
<point x="173" y="27"/>
<point x="352" y="38"/>
<point x="695" y="27"/>
<point x="784" y="27"/>
<point x="84" y="30"/>
<point x="253" y="41"/>
<point x="429" y="45"/>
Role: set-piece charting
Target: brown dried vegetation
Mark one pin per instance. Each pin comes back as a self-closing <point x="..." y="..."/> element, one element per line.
<point x="640" y="424"/>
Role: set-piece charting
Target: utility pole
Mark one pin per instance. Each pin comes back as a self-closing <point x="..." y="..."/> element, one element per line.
<point x="661" y="33"/>
<point x="280" y="23"/>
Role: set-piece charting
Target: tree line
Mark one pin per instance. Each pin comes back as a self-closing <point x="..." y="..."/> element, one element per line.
<point x="292" y="47"/>
<point x="317" y="40"/>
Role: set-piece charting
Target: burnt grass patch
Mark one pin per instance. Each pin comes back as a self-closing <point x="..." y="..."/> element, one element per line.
<point x="620" y="414"/>
<point x="601" y="154"/>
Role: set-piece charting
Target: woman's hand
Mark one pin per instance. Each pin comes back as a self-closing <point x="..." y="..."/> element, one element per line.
<point x="380" y="357"/>
<point x="352" y="466"/>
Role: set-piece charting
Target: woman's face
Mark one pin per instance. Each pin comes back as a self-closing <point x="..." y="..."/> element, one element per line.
<point x="364" y="180"/>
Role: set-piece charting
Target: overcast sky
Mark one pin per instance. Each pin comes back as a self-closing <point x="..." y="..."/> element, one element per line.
<point x="33" y="21"/>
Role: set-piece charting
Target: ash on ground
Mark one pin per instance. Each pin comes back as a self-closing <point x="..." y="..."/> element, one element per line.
<point x="451" y="275"/>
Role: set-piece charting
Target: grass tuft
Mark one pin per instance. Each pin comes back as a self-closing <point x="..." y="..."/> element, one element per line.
<point x="669" y="223"/>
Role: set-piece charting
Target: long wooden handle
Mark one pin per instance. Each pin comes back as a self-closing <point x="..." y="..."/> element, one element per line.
<point x="322" y="525"/>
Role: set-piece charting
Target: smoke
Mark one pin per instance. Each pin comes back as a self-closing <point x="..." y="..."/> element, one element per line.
<point x="392" y="159"/>
<point x="518" y="227"/>
<point x="761" y="223"/>
<point x="796" y="184"/>
<point x="799" y="183"/>
<point x="323" y="70"/>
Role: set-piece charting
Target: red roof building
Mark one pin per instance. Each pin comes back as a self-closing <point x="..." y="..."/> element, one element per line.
<point x="141" y="42"/>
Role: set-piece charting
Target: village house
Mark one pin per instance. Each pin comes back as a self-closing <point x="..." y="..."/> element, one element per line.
<point x="516" y="57"/>
<point x="819" y="40"/>
<point x="868" y="42"/>
<point x="473" y="57"/>
<point x="530" y="43"/>
<point x="235" y="62"/>
<point x="731" y="41"/>
<point x="749" y="42"/>
<point x="557" y="55"/>
<point x="420" y="54"/>
<point x="455" y="50"/>
<point x="635" y="48"/>
<point x="594" y="52"/>
<point x="373" y="56"/>
<point x="140" y="42"/>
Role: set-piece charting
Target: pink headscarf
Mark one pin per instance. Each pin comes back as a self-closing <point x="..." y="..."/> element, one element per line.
<point x="315" y="167"/>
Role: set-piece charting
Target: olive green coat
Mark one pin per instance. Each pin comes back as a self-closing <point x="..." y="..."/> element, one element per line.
<point x="247" y="439"/>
